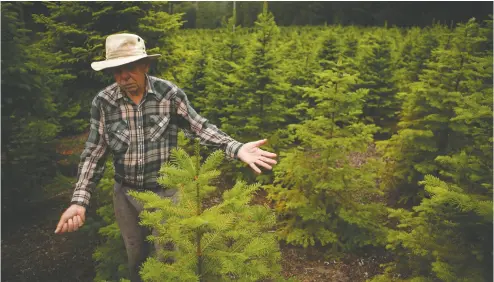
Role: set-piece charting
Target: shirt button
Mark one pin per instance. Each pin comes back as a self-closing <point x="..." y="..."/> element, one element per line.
<point x="139" y="126"/>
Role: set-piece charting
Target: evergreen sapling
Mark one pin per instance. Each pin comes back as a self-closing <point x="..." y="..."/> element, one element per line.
<point x="223" y="242"/>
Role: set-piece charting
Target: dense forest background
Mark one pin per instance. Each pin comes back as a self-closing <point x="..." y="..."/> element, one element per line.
<point x="381" y="113"/>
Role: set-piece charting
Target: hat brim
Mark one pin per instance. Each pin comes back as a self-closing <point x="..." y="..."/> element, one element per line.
<point x="101" y="65"/>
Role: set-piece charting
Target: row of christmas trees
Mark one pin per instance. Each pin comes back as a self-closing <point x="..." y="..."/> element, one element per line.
<point x="323" y="96"/>
<point x="328" y="96"/>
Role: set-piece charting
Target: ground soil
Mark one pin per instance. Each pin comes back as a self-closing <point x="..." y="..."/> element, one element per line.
<point x="32" y="252"/>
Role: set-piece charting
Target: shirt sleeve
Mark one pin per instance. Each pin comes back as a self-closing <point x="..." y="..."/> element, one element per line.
<point x="195" y="125"/>
<point x="93" y="158"/>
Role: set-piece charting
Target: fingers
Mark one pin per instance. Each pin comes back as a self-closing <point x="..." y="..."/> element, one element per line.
<point x="82" y="215"/>
<point x="75" y="219"/>
<point x="59" y="226"/>
<point x="268" y="154"/>
<point x="65" y="228"/>
<point x="263" y="164"/>
<point x="81" y="221"/>
<point x="259" y="142"/>
<point x="63" y="219"/>
<point x="255" y="168"/>
<point x="71" y="225"/>
<point x="267" y="160"/>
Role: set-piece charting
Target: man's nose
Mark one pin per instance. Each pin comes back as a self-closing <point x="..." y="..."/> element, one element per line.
<point x="124" y="73"/>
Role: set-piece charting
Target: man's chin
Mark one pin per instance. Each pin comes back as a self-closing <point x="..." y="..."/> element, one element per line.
<point x="132" y="91"/>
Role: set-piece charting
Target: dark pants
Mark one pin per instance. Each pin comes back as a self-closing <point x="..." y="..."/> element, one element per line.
<point x="127" y="211"/>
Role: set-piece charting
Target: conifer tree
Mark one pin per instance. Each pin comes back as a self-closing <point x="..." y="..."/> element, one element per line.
<point x="219" y="102"/>
<point x="299" y="68"/>
<point x="197" y="81"/>
<point x="404" y="74"/>
<point x="376" y="74"/>
<point x="427" y="129"/>
<point x="110" y="255"/>
<point x="30" y="120"/>
<point x="351" y="42"/>
<point x="446" y="147"/>
<point x="224" y="242"/>
<point x="330" y="50"/>
<point x="261" y="96"/>
<point x="320" y="196"/>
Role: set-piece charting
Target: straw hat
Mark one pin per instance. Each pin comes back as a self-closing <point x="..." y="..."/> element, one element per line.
<point x="121" y="49"/>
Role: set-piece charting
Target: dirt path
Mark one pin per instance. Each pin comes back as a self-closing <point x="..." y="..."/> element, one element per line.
<point x="32" y="252"/>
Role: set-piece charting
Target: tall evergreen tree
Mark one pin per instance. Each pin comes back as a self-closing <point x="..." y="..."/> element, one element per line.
<point x="261" y="95"/>
<point x="29" y="112"/>
<point x="323" y="198"/>
<point x="221" y="77"/>
<point x="376" y="74"/>
<point x="299" y="68"/>
<point x="446" y="146"/>
<point x="330" y="50"/>
<point x="427" y="129"/>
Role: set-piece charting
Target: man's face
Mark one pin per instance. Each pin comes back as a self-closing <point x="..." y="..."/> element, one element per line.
<point x="131" y="77"/>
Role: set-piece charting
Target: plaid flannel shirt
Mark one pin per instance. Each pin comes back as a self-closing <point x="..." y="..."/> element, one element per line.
<point x="140" y="136"/>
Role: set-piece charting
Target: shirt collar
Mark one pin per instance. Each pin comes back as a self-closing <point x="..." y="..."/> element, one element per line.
<point x="150" y="88"/>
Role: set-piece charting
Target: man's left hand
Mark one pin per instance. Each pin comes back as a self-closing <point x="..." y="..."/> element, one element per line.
<point x="251" y="154"/>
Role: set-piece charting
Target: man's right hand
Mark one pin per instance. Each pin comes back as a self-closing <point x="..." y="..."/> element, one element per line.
<point x="71" y="219"/>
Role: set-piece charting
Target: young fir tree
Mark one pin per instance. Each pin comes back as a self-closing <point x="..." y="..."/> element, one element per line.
<point x="220" y="77"/>
<point x="322" y="198"/>
<point x="30" y="121"/>
<point x="196" y="84"/>
<point x="299" y="51"/>
<point x="330" y="50"/>
<point x="224" y="242"/>
<point x="448" y="235"/>
<point x="221" y="64"/>
<point x="350" y="42"/>
<point x="261" y="97"/>
<point x="455" y="76"/>
<point x="404" y="74"/>
<point x="110" y="255"/>
<point x="376" y="74"/>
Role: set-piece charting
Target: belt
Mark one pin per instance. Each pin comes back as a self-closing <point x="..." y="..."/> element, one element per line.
<point x="135" y="187"/>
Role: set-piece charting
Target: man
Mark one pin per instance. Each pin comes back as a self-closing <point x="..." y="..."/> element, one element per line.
<point x="137" y="119"/>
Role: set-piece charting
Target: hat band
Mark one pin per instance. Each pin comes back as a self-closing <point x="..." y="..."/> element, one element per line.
<point x="125" y="53"/>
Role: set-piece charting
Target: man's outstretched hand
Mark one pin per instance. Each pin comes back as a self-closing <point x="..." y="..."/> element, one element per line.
<point x="71" y="219"/>
<point x="251" y="154"/>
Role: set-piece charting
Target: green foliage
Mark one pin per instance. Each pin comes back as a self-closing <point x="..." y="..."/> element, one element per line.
<point x="29" y="122"/>
<point x="448" y="111"/>
<point x="260" y="97"/>
<point x="306" y="89"/>
<point x="322" y="198"/>
<point x="376" y="74"/>
<point x="445" y="145"/>
<point x="451" y="219"/>
<point x="223" y="242"/>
